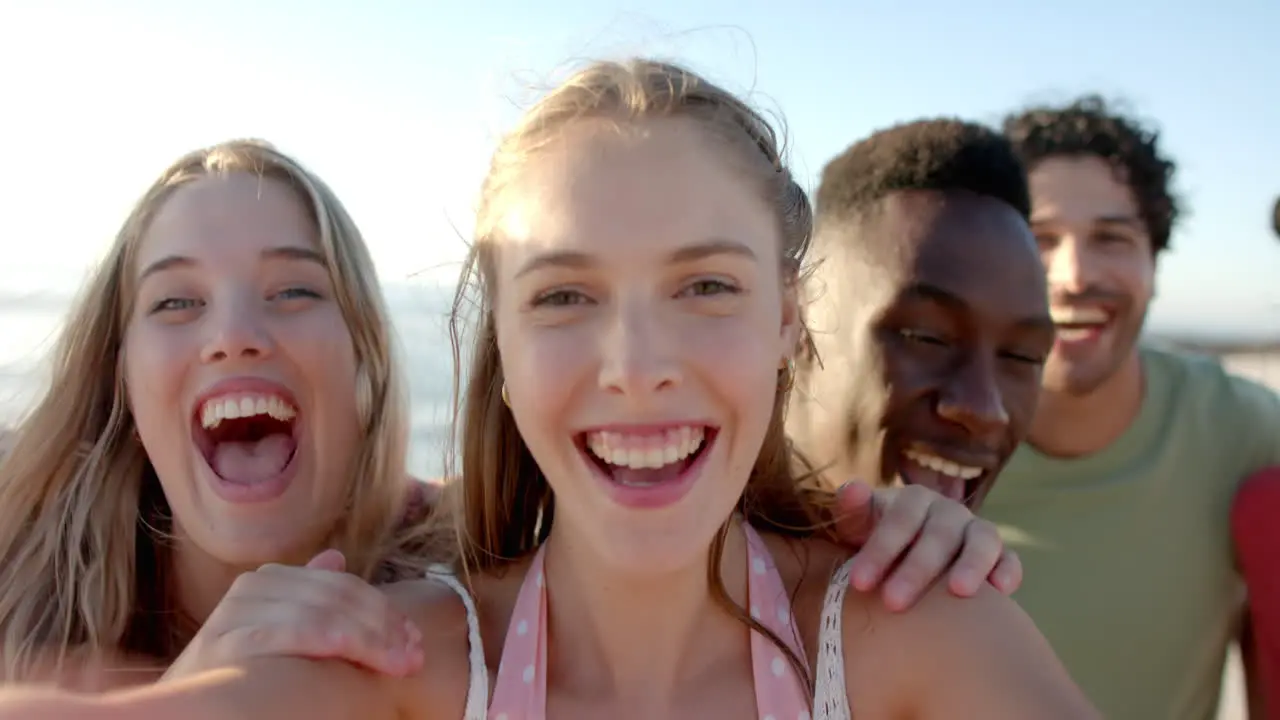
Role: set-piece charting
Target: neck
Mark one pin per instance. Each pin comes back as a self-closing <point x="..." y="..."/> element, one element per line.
<point x="638" y="638"/>
<point x="199" y="580"/>
<point x="1076" y="425"/>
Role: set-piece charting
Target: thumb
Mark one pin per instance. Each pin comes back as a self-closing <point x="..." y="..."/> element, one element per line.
<point x="329" y="559"/>
<point x="855" y="512"/>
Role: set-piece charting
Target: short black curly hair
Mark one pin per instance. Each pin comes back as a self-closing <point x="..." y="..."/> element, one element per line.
<point x="1089" y="126"/>
<point x="936" y="154"/>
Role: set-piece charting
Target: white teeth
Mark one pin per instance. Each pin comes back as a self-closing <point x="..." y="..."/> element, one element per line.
<point x="231" y="407"/>
<point x="1075" y="334"/>
<point x="1078" y="316"/>
<point x="946" y="467"/>
<point x="646" y="451"/>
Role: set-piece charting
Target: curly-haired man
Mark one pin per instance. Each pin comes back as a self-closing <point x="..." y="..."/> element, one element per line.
<point x="1119" y="502"/>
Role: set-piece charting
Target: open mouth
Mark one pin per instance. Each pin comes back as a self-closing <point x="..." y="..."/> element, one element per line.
<point x="1080" y="324"/>
<point x="247" y="438"/>
<point x="950" y="479"/>
<point x="647" y="459"/>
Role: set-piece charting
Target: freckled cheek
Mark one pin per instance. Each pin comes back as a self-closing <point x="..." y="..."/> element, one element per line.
<point x="156" y="373"/>
<point x="734" y="356"/>
<point x="322" y="348"/>
<point x="544" y="366"/>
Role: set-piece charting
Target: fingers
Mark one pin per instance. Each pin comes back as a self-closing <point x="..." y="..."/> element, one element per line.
<point x="1007" y="577"/>
<point x="893" y="533"/>
<point x="347" y="594"/>
<point x="941" y="536"/>
<point x="855" y="513"/>
<point x="317" y="613"/>
<point x="322" y="633"/>
<point x="331" y="560"/>
<point x="978" y="559"/>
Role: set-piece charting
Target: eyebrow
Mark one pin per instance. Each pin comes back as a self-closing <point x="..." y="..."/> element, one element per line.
<point x="946" y="298"/>
<point x="1126" y="220"/>
<point x="284" y="252"/>
<point x="689" y="253"/>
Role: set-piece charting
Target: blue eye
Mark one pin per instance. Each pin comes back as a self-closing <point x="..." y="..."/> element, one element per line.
<point x="560" y="298"/>
<point x="169" y="304"/>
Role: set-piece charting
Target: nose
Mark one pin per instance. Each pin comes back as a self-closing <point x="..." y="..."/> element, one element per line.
<point x="636" y="356"/>
<point x="1068" y="264"/>
<point x="236" y="330"/>
<point x="972" y="399"/>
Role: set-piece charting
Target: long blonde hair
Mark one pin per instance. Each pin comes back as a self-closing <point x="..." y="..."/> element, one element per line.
<point x="82" y="516"/>
<point x="502" y="506"/>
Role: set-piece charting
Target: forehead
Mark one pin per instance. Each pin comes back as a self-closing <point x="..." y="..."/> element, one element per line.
<point x="226" y="217"/>
<point x="1078" y="189"/>
<point x="634" y="190"/>
<point x="975" y="248"/>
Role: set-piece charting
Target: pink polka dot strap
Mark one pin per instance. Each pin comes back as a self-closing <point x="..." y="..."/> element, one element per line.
<point x="520" y="692"/>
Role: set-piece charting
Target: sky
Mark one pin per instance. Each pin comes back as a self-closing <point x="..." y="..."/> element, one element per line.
<point x="397" y="104"/>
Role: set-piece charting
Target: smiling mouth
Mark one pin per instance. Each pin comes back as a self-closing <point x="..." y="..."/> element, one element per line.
<point x="948" y="478"/>
<point x="1080" y="324"/>
<point x="647" y="460"/>
<point x="247" y="438"/>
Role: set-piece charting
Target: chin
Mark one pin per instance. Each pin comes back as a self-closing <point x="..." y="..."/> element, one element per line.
<point x="287" y="531"/>
<point x="644" y="542"/>
<point x="252" y="545"/>
<point x="650" y="551"/>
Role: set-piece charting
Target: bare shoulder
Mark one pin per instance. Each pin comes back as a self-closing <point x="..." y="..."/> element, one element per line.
<point x="271" y="687"/>
<point x="981" y="652"/>
<point x="439" y="689"/>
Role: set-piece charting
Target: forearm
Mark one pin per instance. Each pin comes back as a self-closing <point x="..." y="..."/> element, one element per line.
<point x="210" y="696"/>
<point x="51" y="704"/>
<point x="276" y="688"/>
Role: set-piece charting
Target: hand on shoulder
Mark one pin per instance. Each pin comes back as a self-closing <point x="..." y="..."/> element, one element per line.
<point x="439" y="688"/>
<point x="253" y="687"/>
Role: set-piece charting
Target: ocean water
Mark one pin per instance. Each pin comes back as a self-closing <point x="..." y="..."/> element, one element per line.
<point x="30" y="323"/>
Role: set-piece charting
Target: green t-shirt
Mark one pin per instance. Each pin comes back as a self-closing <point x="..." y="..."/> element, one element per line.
<point x="1129" y="569"/>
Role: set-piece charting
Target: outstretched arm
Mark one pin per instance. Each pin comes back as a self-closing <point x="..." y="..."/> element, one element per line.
<point x="266" y="687"/>
<point x="263" y="688"/>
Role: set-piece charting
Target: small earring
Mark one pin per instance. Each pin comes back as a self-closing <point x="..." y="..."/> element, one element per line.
<point x="787" y="373"/>
<point x="506" y="398"/>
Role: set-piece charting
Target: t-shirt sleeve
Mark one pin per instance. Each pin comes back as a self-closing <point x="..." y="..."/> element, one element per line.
<point x="1252" y="422"/>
